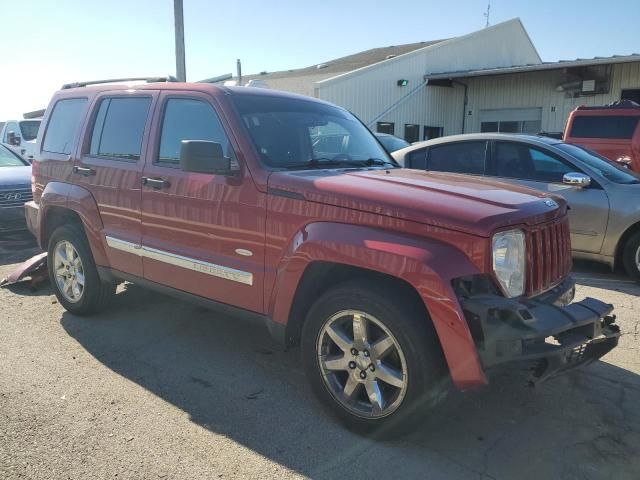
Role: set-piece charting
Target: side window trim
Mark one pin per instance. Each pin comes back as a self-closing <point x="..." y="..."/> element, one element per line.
<point x="86" y="149"/>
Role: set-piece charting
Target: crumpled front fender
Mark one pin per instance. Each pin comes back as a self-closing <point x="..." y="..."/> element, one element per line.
<point x="427" y="265"/>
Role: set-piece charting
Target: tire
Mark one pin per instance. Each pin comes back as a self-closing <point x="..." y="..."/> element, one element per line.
<point x="94" y="294"/>
<point x="419" y="357"/>
<point x="631" y="256"/>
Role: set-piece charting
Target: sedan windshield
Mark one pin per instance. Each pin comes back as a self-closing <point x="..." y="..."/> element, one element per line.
<point x="29" y="129"/>
<point x="297" y="134"/>
<point x="608" y="169"/>
<point x="10" y="159"/>
<point x="392" y="143"/>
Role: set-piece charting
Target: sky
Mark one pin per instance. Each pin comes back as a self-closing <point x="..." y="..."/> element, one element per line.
<point x="60" y="41"/>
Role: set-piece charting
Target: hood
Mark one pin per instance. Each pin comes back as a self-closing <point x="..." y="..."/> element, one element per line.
<point x="15" y="177"/>
<point x="458" y="202"/>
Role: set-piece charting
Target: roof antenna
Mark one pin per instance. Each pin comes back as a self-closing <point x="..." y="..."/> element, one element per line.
<point x="487" y="14"/>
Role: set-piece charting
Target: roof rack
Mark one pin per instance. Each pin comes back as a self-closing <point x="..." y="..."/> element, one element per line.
<point x="168" y="78"/>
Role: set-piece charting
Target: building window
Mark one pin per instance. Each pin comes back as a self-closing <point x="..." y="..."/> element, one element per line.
<point x="432" y="132"/>
<point x="411" y="132"/>
<point x="386" y="127"/>
<point x="511" y="126"/>
<point x="631" y="94"/>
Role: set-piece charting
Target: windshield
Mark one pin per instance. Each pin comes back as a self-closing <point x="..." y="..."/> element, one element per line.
<point x="29" y="129"/>
<point x="605" y="167"/>
<point x="293" y="133"/>
<point x="391" y="144"/>
<point x="10" y="159"/>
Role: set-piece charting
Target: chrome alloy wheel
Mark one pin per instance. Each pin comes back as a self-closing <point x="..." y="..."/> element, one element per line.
<point x="68" y="271"/>
<point x="362" y="364"/>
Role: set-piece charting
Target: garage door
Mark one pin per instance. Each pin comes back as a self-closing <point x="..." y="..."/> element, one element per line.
<point x="511" y="120"/>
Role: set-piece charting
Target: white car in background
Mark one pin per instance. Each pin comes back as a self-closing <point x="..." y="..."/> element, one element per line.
<point x="20" y="136"/>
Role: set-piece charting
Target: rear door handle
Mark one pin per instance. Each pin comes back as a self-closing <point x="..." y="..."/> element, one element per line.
<point x="156" y="183"/>
<point x="87" y="172"/>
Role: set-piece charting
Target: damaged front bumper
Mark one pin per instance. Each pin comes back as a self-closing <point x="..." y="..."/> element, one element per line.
<point x="549" y="333"/>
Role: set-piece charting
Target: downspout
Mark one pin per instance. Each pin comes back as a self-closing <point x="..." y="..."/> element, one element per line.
<point x="466" y="101"/>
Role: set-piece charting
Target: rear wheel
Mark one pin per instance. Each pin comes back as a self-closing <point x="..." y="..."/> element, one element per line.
<point x="374" y="362"/>
<point x="73" y="272"/>
<point x="631" y="256"/>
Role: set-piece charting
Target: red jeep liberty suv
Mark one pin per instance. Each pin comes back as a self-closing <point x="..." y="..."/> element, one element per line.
<point x="394" y="281"/>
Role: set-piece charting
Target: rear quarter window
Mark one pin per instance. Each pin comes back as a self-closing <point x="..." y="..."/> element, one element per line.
<point x="64" y="124"/>
<point x="615" y="127"/>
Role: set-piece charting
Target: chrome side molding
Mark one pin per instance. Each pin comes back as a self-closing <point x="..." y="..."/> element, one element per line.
<point x="192" y="264"/>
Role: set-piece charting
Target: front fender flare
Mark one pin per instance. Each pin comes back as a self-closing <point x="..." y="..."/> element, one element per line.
<point x="428" y="265"/>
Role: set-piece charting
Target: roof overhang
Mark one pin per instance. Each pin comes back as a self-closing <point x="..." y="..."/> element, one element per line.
<point x="533" y="68"/>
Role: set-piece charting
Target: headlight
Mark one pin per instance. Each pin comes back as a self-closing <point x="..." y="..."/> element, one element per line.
<point x="509" y="261"/>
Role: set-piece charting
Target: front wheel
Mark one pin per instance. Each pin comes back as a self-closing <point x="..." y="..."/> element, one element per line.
<point x="631" y="256"/>
<point x="375" y="362"/>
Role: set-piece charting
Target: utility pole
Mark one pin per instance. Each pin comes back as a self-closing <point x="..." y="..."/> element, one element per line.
<point x="486" y="15"/>
<point x="239" y="72"/>
<point x="181" y="72"/>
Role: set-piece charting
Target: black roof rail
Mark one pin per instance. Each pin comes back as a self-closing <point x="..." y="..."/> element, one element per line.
<point x="168" y="78"/>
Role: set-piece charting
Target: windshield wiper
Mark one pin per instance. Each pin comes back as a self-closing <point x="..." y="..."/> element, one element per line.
<point x="377" y="161"/>
<point x="328" y="162"/>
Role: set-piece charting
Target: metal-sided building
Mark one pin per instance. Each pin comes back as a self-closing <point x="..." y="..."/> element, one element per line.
<point x="489" y="80"/>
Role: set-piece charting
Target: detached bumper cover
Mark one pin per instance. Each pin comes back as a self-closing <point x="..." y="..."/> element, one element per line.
<point x="553" y="336"/>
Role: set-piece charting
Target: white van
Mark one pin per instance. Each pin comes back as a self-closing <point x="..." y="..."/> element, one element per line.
<point x="20" y="136"/>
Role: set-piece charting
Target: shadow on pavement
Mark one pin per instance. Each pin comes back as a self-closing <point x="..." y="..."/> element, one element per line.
<point x="17" y="247"/>
<point x="230" y="378"/>
<point x="597" y="275"/>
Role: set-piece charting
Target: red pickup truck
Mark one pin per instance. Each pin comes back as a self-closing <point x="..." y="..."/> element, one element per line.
<point x="395" y="282"/>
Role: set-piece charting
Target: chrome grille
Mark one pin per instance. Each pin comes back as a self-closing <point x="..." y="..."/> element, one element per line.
<point x="549" y="255"/>
<point x="15" y="197"/>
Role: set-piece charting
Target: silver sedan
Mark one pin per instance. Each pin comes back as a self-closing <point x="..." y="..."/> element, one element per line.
<point x="604" y="197"/>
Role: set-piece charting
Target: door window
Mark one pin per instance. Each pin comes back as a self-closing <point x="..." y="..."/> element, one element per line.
<point x="63" y="126"/>
<point x="11" y="127"/>
<point x="463" y="157"/>
<point x="188" y="119"/>
<point x="515" y="160"/>
<point x="119" y="128"/>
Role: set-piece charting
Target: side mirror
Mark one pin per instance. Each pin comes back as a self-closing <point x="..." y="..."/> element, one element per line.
<point x="576" y="179"/>
<point x="202" y="156"/>
<point x="13" y="139"/>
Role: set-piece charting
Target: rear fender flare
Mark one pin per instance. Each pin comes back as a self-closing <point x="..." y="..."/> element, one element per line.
<point x="428" y="265"/>
<point x="80" y="201"/>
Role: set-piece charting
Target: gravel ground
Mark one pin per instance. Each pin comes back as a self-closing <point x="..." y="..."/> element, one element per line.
<point x="157" y="388"/>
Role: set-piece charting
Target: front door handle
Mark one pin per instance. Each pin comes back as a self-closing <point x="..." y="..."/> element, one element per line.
<point x="156" y="183"/>
<point x="87" y="172"/>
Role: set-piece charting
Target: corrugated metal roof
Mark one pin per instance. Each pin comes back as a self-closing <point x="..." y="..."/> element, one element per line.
<point x="579" y="62"/>
<point x="344" y="64"/>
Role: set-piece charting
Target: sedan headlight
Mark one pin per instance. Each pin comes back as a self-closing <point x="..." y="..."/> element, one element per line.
<point x="509" y="261"/>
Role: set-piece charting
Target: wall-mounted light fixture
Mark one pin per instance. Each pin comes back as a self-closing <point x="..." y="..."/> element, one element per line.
<point x="403" y="83"/>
